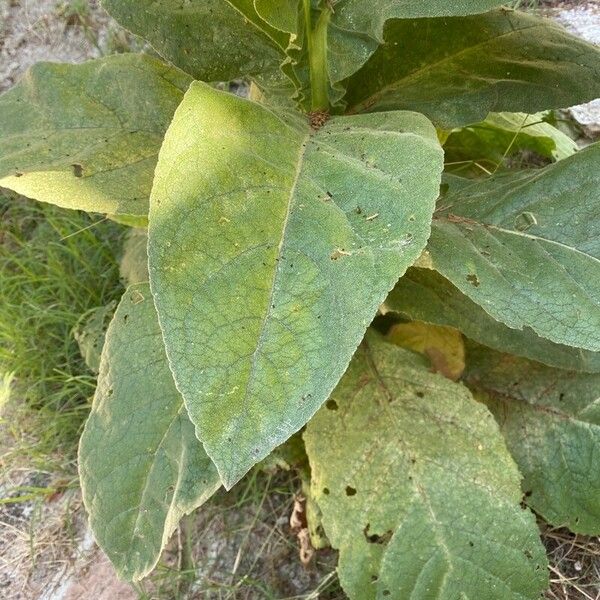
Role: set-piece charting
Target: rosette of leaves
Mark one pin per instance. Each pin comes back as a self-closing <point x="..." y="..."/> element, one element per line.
<point x="278" y="224"/>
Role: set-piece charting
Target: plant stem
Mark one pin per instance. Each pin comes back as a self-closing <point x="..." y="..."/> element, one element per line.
<point x="317" y="56"/>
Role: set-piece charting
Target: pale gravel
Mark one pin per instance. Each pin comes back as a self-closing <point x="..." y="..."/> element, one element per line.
<point x="584" y="21"/>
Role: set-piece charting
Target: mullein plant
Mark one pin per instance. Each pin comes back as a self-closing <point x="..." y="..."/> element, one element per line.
<point x="280" y="224"/>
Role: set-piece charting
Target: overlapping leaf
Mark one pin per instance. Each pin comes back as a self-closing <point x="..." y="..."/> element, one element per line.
<point x="134" y="263"/>
<point x="526" y="247"/>
<point x="213" y="40"/>
<point x="424" y="295"/>
<point x="356" y="27"/>
<point x="140" y="464"/>
<point x="281" y="14"/>
<point x="551" y="421"/>
<point x="90" y="331"/>
<point x="443" y="346"/>
<point x="417" y="489"/>
<point x="87" y="136"/>
<point x="503" y="135"/>
<point x="457" y="70"/>
<point x="300" y="234"/>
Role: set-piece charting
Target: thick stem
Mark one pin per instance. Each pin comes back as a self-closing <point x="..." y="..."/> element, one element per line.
<point x="317" y="56"/>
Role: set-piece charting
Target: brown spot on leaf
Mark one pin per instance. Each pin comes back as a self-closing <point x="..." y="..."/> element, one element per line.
<point x="473" y="279"/>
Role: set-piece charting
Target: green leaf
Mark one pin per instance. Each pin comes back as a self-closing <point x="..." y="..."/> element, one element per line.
<point x="140" y="464"/>
<point x="503" y="135"/>
<point x="90" y="331"/>
<point x="424" y="295"/>
<point x="526" y="247"/>
<point x="271" y="247"/>
<point x="457" y="70"/>
<point x="134" y="264"/>
<point x="281" y="14"/>
<point x="87" y="136"/>
<point x="356" y="27"/>
<point x="417" y="489"/>
<point x="551" y="422"/>
<point x="213" y="40"/>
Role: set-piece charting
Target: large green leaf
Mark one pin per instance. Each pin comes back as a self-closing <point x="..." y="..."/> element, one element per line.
<point x="87" y="136"/>
<point x="424" y="295"/>
<point x="551" y="421"/>
<point x="356" y="27"/>
<point x="503" y="135"/>
<point x="526" y="247"/>
<point x="213" y="40"/>
<point x="417" y="489"/>
<point x="140" y="464"/>
<point x="271" y="247"/>
<point x="456" y="70"/>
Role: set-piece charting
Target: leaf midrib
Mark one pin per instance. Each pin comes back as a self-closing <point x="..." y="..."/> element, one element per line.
<point x="268" y="313"/>
<point x="536" y="238"/>
<point x="372" y="99"/>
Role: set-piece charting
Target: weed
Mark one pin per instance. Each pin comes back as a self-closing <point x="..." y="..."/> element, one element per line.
<point x="54" y="266"/>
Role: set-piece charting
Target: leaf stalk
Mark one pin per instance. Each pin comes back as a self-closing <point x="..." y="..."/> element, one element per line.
<point x="317" y="56"/>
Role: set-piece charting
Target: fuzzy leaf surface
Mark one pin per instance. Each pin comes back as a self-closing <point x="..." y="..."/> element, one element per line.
<point x="424" y="295"/>
<point x="416" y="487"/>
<point x="356" y="27"/>
<point x="300" y="234"/>
<point x="212" y="40"/>
<point x="526" y="247"/>
<point x="87" y="136"/>
<point x="140" y="464"/>
<point x="457" y="70"/>
<point x="551" y="421"/>
<point x="133" y="267"/>
<point x="281" y="14"/>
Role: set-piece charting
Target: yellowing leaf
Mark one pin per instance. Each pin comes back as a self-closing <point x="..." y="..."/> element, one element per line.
<point x="87" y="136"/>
<point x="417" y="489"/>
<point x="443" y="346"/>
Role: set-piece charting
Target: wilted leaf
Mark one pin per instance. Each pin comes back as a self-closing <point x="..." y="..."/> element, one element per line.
<point x="423" y="294"/>
<point x="271" y="247"/>
<point x="87" y="136"/>
<point x="417" y="489"/>
<point x="140" y="464"/>
<point x="551" y="421"/>
<point x="443" y="346"/>
<point x="526" y="247"/>
<point x="457" y="70"/>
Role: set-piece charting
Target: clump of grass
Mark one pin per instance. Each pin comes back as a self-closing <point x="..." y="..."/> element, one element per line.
<point x="54" y="266"/>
